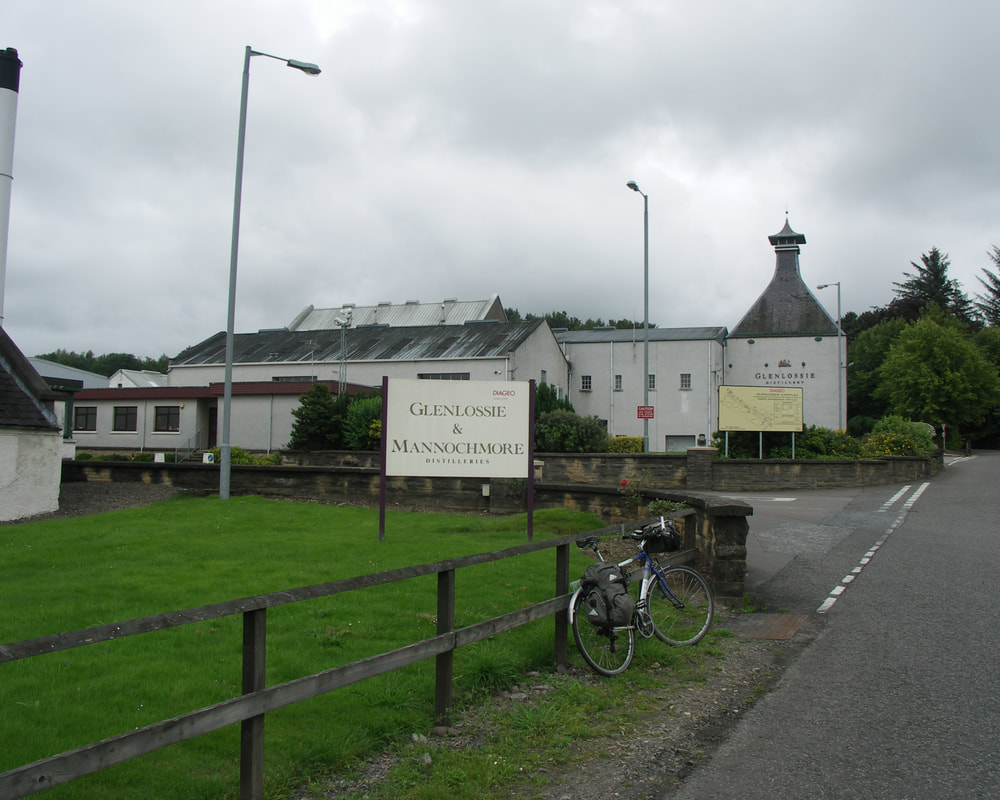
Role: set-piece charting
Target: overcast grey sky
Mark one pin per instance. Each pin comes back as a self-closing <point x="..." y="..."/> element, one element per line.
<point x="465" y="148"/>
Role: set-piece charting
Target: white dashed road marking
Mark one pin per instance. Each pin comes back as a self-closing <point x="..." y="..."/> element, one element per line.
<point x="838" y="590"/>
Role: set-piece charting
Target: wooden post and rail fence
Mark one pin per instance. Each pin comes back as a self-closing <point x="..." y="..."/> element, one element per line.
<point x="258" y="699"/>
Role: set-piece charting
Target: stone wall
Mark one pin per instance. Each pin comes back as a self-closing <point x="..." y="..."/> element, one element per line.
<point x="715" y="532"/>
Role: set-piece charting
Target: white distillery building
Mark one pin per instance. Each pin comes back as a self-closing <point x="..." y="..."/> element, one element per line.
<point x="273" y="368"/>
<point x="785" y="339"/>
<point x="788" y="339"/>
<point x="685" y="372"/>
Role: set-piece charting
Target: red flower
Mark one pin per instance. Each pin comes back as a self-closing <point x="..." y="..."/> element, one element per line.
<point x="624" y="482"/>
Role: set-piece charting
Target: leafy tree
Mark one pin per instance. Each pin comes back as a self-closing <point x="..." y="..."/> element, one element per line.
<point x="989" y="303"/>
<point x="931" y="284"/>
<point x="319" y="420"/>
<point x="935" y="373"/>
<point x="363" y="424"/>
<point x="988" y="340"/>
<point x="546" y="400"/>
<point x="865" y="353"/>
<point x="567" y="432"/>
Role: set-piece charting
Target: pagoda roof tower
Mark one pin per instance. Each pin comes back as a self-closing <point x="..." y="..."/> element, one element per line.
<point x="786" y="307"/>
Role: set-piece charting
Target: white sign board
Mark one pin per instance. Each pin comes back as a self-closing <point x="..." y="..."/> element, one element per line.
<point x="457" y="428"/>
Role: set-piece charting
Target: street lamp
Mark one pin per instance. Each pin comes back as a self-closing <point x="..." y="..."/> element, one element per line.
<point x="645" y="310"/>
<point x="841" y="422"/>
<point x="225" y="449"/>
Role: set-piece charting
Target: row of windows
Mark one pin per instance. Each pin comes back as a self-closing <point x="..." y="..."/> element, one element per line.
<point x="125" y="419"/>
<point x="587" y="383"/>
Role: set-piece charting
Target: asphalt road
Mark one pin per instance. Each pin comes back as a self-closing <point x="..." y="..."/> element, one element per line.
<point x="898" y="696"/>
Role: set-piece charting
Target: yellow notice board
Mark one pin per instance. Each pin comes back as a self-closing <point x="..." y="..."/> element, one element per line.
<point x="760" y="408"/>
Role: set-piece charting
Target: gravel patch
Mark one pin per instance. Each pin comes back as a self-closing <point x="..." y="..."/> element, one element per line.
<point x="671" y="733"/>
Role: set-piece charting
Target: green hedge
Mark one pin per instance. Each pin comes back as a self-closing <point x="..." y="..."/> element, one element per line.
<point x="625" y="444"/>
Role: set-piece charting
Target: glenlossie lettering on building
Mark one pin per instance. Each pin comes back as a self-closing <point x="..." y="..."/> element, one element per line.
<point x="784" y="378"/>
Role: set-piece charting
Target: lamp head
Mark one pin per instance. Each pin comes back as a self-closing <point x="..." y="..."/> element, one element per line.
<point x="633" y="186"/>
<point x="303" y="66"/>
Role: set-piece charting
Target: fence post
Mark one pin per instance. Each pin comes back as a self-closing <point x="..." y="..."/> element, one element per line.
<point x="252" y="730"/>
<point x="562" y="616"/>
<point x="445" y="662"/>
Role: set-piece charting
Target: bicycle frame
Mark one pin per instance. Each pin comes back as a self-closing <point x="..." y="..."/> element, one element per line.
<point x="651" y="574"/>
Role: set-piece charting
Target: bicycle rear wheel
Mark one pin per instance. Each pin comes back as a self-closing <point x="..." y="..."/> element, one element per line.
<point x="607" y="652"/>
<point x="681" y="606"/>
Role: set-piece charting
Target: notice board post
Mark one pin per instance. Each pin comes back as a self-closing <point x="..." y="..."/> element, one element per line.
<point x="763" y="409"/>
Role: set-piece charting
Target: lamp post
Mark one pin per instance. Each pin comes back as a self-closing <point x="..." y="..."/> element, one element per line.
<point x="841" y="422"/>
<point x="225" y="448"/>
<point x="645" y="310"/>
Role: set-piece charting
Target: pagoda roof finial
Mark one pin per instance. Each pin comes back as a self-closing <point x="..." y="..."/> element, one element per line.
<point x="786" y="237"/>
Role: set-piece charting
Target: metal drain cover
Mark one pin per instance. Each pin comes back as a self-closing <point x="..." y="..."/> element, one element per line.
<point x="769" y="626"/>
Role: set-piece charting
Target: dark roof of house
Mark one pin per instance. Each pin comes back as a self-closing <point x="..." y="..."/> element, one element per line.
<point x="787" y="307"/>
<point x="25" y="399"/>
<point x="364" y="343"/>
<point x="637" y="335"/>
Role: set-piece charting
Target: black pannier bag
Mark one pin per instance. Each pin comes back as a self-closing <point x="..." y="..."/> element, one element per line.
<point x="661" y="540"/>
<point x="606" y="601"/>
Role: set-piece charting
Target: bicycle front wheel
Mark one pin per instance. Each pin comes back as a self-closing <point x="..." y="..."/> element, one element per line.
<point x="607" y="652"/>
<point x="681" y="606"/>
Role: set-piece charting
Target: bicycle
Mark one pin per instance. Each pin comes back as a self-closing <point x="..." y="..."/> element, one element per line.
<point x="675" y="603"/>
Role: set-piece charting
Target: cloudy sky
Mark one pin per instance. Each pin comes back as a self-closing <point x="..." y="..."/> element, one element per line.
<point x="465" y="148"/>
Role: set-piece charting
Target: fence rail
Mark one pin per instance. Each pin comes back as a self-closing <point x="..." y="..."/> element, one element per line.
<point x="257" y="699"/>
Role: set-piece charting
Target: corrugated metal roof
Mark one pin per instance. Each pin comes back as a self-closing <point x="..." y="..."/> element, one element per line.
<point x="143" y="377"/>
<point x="215" y="390"/>
<point x="372" y="343"/>
<point x="51" y="369"/>
<point x="637" y="335"/>
<point x="409" y="314"/>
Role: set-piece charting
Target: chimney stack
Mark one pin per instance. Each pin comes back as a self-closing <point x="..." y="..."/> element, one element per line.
<point x="10" y="76"/>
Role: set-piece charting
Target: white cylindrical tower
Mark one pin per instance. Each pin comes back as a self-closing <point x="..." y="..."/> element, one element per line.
<point x="10" y="75"/>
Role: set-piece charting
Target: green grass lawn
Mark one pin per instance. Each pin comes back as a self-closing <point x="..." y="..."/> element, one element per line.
<point x="62" y="575"/>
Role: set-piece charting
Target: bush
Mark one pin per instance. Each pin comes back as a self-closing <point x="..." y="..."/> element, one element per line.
<point x="363" y="424"/>
<point x="237" y="455"/>
<point x="896" y="436"/>
<point x="84" y="456"/>
<point x="567" y="432"/>
<point x="624" y="444"/>
<point x="143" y="457"/>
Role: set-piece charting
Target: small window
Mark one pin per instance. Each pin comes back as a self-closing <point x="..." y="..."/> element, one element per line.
<point x="651" y="382"/>
<point x="85" y="418"/>
<point x="685" y="380"/>
<point x="618" y="383"/>
<point x="444" y="376"/>
<point x="585" y="383"/>
<point x="125" y="419"/>
<point x="167" y="419"/>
